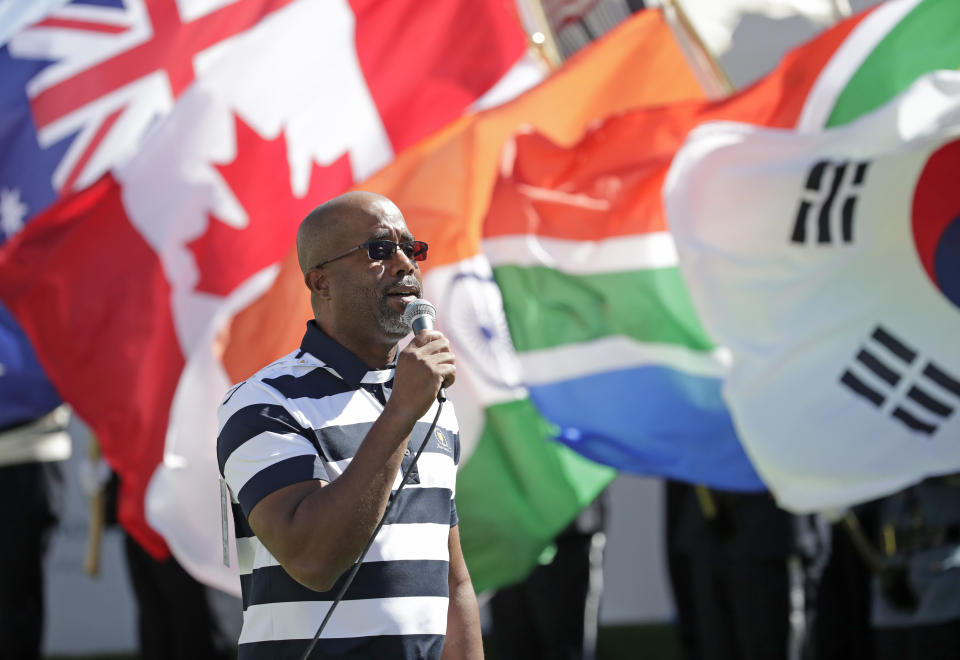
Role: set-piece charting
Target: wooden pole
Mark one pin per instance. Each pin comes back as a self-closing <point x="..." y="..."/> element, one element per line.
<point x="540" y="34"/>
<point x="713" y="79"/>
<point x="841" y="10"/>
<point x="91" y="560"/>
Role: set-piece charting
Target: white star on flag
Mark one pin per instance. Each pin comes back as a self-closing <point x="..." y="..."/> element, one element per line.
<point x="12" y="212"/>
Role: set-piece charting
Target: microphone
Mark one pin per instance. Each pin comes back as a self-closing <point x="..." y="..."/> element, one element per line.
<point x="420" y="314"/>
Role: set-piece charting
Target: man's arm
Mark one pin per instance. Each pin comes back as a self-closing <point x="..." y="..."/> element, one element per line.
<point x="464" y="640"/>
<point x="317" y="530"/>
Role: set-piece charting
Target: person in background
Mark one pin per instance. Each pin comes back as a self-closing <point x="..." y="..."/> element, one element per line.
<point x="738" y="574"/>
<point x="175" y="615"/>
<point x="915" y="607"/>
<point x="553" y="613"/>
<point x="31" y="485"/>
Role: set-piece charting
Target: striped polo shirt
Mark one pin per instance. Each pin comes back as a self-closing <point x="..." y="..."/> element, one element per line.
<point x="304" y="417"/>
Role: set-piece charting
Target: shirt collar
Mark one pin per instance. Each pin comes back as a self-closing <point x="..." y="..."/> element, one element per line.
<point x="348" y="366"/>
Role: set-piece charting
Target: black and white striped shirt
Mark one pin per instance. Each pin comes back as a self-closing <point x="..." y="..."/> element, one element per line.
<point x="303" y="417"/>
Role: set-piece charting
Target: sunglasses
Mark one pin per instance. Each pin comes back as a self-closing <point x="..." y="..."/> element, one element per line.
<point x="383" y="249"/>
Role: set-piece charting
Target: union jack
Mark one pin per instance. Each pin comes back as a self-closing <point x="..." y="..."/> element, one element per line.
<point x="104" y="70"/>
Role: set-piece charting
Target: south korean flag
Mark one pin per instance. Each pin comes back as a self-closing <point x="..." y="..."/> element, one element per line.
<point x="829" y="263"/>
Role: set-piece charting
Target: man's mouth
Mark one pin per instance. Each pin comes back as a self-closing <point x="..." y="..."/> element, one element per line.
<point x="406" y="295"/>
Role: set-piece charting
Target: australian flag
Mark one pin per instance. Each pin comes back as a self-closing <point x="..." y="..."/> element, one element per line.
<point x="25" y="188"/>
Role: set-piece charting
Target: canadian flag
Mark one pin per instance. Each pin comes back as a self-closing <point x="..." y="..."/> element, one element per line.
<point x="126" y="288"/>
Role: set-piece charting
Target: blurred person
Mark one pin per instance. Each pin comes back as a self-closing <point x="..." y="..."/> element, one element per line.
<point x="737" y="576"/>
<point x="31" y="483"/>
<point x="915" y="607"/>
<point x="840" y="625"/>
<point x="553" y="613"/>
<point x="175" y="616"/>
<point x="891" y="590"/>
<point x="311" y="448"/>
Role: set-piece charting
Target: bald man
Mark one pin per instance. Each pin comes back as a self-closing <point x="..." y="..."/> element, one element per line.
<point x="312" y="446"/>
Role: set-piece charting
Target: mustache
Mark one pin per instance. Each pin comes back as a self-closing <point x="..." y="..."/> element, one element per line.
<point x="409" y="282"/>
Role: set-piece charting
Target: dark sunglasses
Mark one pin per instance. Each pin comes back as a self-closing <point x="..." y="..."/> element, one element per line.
<point x="382" y="249"/>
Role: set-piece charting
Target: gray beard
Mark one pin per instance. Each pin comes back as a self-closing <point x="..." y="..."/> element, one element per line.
<point x="391" y="322"/>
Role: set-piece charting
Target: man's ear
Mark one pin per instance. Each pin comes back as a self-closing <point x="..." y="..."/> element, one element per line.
<point x="316" y="280"/>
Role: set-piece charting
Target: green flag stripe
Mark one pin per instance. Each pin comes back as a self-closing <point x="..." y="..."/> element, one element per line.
<point x="926" y="39"/>
<point x="519" y="489"/>
<point x="546" y="308"/>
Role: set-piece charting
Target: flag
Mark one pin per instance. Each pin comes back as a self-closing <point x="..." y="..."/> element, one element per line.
<point x="890" y="48"/>
<point x="125" y="285"/>
<point x="517" y="487"/>
<point x="829" y="263"/>
<point x="609" y="345"/>
<point x="28" y="401"/>
<point x="15" y="15"/>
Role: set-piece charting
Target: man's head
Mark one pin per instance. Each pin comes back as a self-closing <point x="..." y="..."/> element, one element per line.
<point x="357" y="299"/>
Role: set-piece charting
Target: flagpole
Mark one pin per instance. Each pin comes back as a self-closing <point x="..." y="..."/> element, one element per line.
<point x="710" y="74"/>
<point x="537" y="26"/>
<point x="841" y="10"/>
<point x="91" y="560"/>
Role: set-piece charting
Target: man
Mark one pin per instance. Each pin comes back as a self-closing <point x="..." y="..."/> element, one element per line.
<point x="312" y="446"/>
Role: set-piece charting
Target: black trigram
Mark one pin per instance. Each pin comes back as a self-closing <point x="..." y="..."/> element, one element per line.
<point x="828" y="186"/>
<point x="885" y="373"/>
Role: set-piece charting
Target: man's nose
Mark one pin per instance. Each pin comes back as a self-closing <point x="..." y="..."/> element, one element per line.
<point x="402" y="264"/>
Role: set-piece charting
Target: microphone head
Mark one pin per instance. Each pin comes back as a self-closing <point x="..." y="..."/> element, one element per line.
<point x="419" y="314"/>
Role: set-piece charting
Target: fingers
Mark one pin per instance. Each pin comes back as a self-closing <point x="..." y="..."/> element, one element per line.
<point x="425" y="337"/>
<point x="432" y="348"/>
<point x="430" y="342"/>
<point x="449" y="376"/>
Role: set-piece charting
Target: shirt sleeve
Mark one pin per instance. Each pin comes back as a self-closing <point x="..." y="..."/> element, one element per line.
<point x="261" y="447"/>
<point x="454" y="519"/>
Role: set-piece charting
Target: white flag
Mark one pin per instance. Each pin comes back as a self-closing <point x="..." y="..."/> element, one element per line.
<point x="829" y="263"/>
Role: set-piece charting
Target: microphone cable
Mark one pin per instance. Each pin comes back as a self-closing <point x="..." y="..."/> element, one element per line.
<point x="441" y="397"/>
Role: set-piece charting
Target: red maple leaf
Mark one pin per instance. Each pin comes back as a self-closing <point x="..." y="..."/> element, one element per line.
<point x="260" y="178"/>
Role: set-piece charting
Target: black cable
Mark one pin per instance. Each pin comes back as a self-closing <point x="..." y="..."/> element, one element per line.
<point x="393" y="500"/>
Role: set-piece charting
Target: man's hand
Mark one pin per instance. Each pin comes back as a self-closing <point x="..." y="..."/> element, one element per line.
<point x="424" y="366"/>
